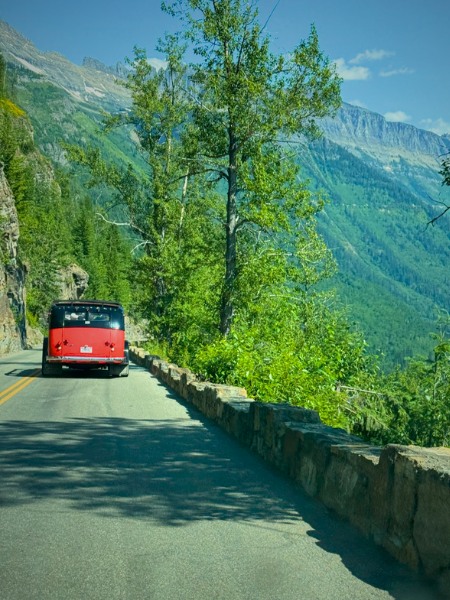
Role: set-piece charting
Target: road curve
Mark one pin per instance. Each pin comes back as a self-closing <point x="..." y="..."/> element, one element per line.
<point x="115" y="489"/>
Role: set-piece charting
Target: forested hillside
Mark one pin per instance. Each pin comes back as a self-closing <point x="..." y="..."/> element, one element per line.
<point x="392" y="264"/>
<point x="58" y="225"/>
<point x="184" y="205"/>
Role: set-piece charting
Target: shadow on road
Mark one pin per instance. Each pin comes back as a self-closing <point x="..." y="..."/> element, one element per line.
<point x="173" y="472"/>
<point x="66" y="373"/>
<point x="23" y="373"/>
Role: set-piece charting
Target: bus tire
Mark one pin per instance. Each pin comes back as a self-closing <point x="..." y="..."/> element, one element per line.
<point x="118" y="370"/>
<point x="126" y="367"/>
<point x="47" y="368"/>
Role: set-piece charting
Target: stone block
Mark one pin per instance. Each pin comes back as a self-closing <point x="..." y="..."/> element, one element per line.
<point x="195" y="392"/>
<point x="186" y="377"/>
<point x="236" y="419"/>
<point x="177" y="379"/>
<point x="314" y="441"/>
<point x="137" y="355"/>
<point x="348" y="480"/>
<point x="155" y="367"/>
<point x="431" y="529"/>
<point x="148" y="361"/>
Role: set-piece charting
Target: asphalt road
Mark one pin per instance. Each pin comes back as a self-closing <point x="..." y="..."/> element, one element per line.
<point x="115" y="489"/>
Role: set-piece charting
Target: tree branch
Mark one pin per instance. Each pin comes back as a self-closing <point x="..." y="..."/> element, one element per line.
<point x="441" y="214"/>
<point x="125" y="224"/>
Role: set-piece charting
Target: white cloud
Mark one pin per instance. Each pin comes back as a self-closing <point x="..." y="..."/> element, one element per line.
<point x="351" y="73"/>
<point x="397" y="116"/>
<point x="438" y="126"/>
<point x="392" y="72"/>
<point x="157" y="63"/>
<point x="370" y="55"/>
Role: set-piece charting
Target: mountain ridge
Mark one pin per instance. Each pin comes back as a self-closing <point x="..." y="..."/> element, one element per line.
<point x="353" y="127"/>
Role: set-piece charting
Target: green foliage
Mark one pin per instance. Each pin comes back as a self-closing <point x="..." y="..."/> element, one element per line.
<point x="392" y="286"/>
<point x="243" y="98"/>
<point x="2" y="77"/>
<point x="36" y="203"/>
<point x="44" y="218"/>
<point x="282" y="352"/>
<point x="9" y="107"/>
<point x="419" y="396"/>
<point x="176" y="220"/>
<point x="104" y="254"/>
<point x="445" y="171"/>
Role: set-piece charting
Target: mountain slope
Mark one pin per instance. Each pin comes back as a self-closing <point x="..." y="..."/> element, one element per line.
<point x="393" y="268"/>
<point x="382" y="180"/>
<point x="92" y="83"/>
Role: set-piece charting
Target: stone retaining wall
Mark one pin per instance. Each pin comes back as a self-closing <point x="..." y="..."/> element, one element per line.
<point x="399" y="496"/>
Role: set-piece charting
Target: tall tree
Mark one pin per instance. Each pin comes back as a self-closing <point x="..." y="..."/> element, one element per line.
<point x="445" y="171"/>
<point x="222" y="129"/>
<point x="174" y="218"/>
<point x="247" y="103"/>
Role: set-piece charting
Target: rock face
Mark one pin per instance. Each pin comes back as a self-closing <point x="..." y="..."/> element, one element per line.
<point x="359" y="129"/>
<point x="12" y="275"/>
<point x="73" y="282"/>
<point x="92" y="63"/>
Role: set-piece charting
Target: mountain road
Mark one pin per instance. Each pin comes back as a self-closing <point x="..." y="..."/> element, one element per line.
<point x="114" y="488"/>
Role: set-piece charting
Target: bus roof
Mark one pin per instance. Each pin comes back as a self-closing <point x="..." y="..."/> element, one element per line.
<point x="86" y="302"/>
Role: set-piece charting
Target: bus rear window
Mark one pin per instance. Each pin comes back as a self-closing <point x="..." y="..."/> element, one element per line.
<point x="104" y="317"/>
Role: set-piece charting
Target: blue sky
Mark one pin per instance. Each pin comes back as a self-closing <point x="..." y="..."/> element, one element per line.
<point x="393" y="54"/>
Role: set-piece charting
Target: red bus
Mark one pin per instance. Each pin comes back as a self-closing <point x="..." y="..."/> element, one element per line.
<point x="86" y="334"/>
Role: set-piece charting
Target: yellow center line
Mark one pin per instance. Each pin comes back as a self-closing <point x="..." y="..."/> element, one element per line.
<point x="17" y="387"/>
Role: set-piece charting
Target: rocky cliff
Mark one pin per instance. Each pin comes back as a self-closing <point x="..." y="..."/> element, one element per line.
<point x="355" y="127"/>
<point x="15" y="333"/>
<point x="72" y="282"/>
<point x="27" y="181"/>
<point x="12" y="275"/>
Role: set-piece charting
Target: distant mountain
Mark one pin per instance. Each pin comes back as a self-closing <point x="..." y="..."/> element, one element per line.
<point x="91" y="83"/>
<point x="382" y="179"/>
<point x="369" y="132"/>
<point x="394" y="148"/>
<point x="66" y="102"/>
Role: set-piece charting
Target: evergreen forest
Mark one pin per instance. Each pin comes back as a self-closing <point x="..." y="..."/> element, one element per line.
<point x="213" y="237"/>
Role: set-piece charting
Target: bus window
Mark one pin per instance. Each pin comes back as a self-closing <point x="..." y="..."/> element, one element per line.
<point x="74" y="317"/>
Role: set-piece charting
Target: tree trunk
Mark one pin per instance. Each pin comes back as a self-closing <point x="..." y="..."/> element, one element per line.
<point x="227" y="301"/>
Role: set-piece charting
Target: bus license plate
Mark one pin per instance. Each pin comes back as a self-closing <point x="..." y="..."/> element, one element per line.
<point x="86" y="350"/>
